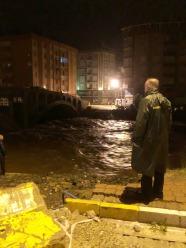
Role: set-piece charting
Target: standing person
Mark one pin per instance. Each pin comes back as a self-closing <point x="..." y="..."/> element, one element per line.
<point x="2" y="156"/>
<point x="150" y="140"/>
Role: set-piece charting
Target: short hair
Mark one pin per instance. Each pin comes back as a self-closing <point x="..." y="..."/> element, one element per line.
<point x="152" y="84"/>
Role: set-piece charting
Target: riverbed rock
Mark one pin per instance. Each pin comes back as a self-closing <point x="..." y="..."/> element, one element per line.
<point x="137" y="228"/>
<point x="91" y="214"/>
<point x="62" y="213"/>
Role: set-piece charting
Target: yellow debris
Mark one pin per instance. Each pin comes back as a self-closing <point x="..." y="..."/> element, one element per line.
<point x="22" y="221"/>
<point x="24" y="197"/>
<point x="31" y="229"/>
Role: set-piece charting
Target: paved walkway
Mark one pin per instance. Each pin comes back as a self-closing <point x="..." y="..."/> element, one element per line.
<point x="174" y="192"/>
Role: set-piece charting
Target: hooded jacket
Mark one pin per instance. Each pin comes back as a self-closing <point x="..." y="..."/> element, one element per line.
<point x="151" y="133"/>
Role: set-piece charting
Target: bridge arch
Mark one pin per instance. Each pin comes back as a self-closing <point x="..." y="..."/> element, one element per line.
<point x="74" y="102"/>
<point x="60" y="103"/>
<point x="79" y="105"/>
<point x="28" y="105"/>
<point x="57" y="110"/>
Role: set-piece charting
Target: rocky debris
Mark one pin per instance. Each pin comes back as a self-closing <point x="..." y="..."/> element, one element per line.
<point x="111" y="199"/>
<point x="87" y="234"/>
<point x="52" y="185"/>
<point x="59" y="241"/>
<point x="75" y="215"/>
<point x="98" y="197"/>
<point x="91" y="214"/>
<point x="61" y="213"/>
<point x="137" y="228"/>
<point x="135" y="246"/>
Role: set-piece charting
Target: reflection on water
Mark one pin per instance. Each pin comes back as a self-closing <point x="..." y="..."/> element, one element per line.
<point x="74" y="145"/>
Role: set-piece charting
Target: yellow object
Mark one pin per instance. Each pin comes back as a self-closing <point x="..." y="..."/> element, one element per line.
<point x="129" y="212"/>
<point x="103" y="209"/>
<point x="119" y="211"/>
<point x="24" y="197"/>
<point x="24" y="221"/>
<point x="83" y="205"/>
<point x="31" y="230"/>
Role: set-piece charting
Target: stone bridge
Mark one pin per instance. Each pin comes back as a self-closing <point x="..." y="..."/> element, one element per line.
<point x="28" y="106"/>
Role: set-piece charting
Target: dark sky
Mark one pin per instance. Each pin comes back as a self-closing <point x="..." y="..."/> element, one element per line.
<point x="84" y="23"/>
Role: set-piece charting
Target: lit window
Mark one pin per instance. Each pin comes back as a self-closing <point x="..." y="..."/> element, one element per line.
<point x="63" y="60"/>
<point x="18" y="99"/>
<point x="4" y="101"/>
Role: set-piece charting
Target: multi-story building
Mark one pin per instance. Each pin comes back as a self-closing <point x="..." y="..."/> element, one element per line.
<point x="32" y="60"/>
<point x="155" y="50"/>
<point x="95" y="68"/>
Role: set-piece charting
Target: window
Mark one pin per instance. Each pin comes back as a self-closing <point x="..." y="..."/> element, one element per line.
<point x="82" y="79"/>
<point x="127" y="62"/>
<point x="128" y="72"/>
<point x="128" y="41"/>
<point x="89" y="86"/>
<point x="4" y="101"/>
<point x="63" y="60"/>
<point x="18" y="99"/>
<point x="127" y="51"/>
<point x="143" y="59"/>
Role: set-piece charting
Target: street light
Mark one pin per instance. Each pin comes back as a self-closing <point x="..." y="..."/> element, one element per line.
<point x="114" y="86"/>
<point x="114" y="83"/>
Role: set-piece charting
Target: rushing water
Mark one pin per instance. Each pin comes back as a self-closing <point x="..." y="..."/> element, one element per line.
<point x="73" y="145"/>
<point x="80" y="145"/>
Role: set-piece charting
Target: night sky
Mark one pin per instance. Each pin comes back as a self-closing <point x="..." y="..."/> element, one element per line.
<point x="85" y="24"/>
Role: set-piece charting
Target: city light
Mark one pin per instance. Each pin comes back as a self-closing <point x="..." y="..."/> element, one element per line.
<point x="114" y="83"/>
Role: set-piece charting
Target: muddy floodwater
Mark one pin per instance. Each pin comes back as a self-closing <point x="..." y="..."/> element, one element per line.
<point x="79" y="145"/>
<point x="72" y="145"/>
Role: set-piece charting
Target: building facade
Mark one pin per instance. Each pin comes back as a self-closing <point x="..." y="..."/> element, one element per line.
<point x="155" y="50"/>
<point x="95" y="68"/>
<point x="35" y="61"/>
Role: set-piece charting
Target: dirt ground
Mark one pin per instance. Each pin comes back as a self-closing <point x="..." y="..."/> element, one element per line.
<point x="103" y="233"/>
<point x="52" y="185"/>
<point x="109" y="233"/>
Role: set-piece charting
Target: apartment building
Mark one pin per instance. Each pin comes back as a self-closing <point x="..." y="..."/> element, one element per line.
<point x="95" y="68"/>
<point x="32" y="60"/>
<point x="156" y="50"/>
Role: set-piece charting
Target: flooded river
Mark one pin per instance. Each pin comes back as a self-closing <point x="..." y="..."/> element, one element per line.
<point x="80" y="145"/>
<point x="72" y="145"/>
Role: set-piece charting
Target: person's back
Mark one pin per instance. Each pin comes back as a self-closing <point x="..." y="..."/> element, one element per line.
<point x="160" y="108"/>
<point x="150" y="149"/>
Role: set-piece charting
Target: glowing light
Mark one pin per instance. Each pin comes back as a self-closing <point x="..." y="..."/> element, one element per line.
<point x="63" y="60"/>
<point x="100" y="88"/>
<point x="44" y="86"/>
<point x="127" y="93"/>
<point x="114" y="83"/>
